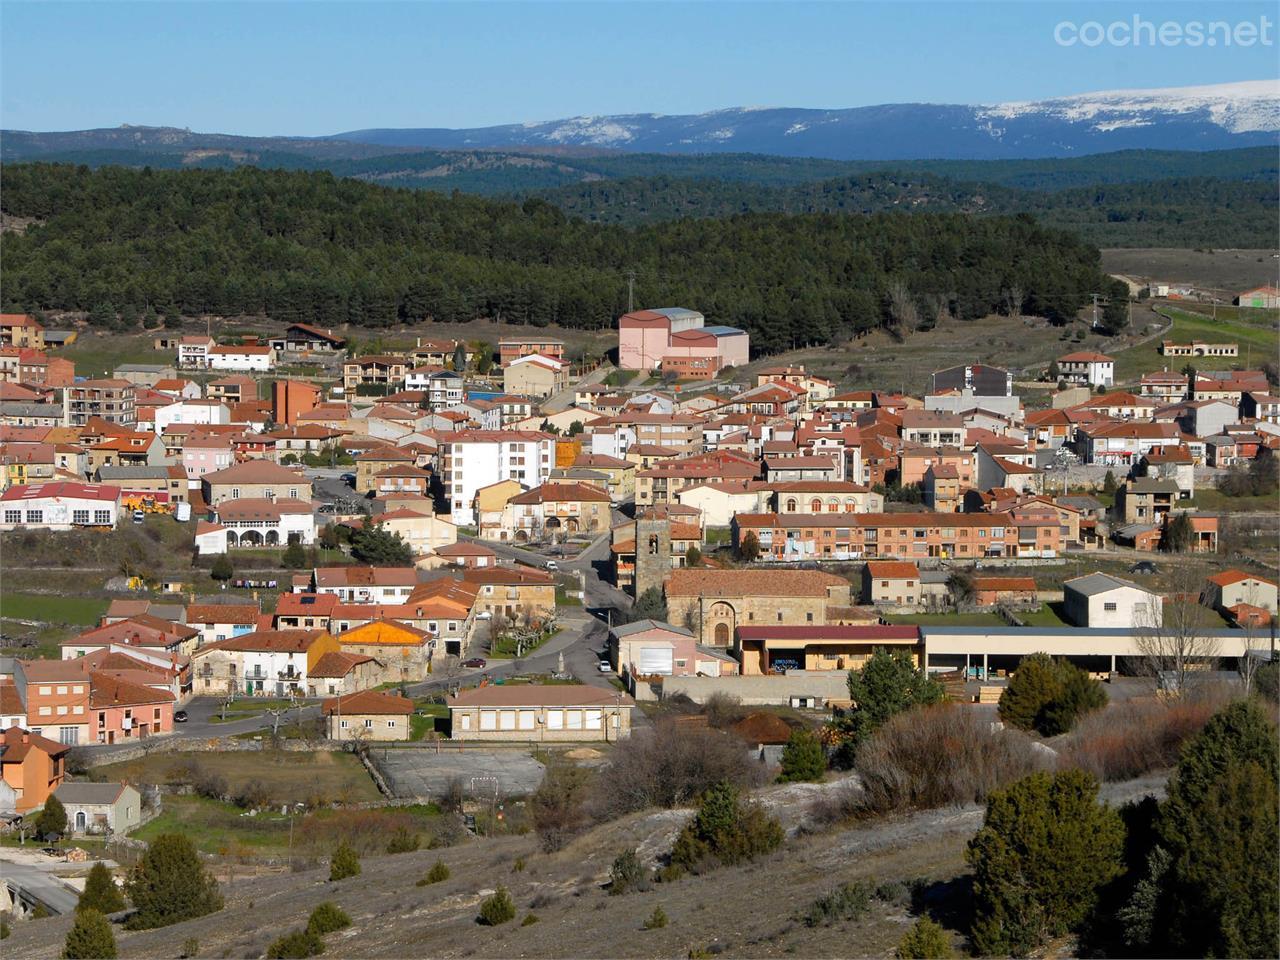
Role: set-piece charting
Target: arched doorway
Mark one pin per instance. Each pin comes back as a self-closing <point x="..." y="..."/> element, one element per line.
<point x="273" y="538"/>
<point x="81" y="821"/>
<point x="571" y="525"/>
<point x="251" y="538"/>
<point x="721" y="619"/>
<point x="231" y="538"/>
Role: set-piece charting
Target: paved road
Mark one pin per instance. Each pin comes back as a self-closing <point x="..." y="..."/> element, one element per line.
<point x="41" y="885"/>
<point x="564" y="399"/>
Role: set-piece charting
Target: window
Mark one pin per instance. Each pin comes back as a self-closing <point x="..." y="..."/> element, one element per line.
<point x="808" y="617"/>
<point x="594" y="719"/>
<point x="555" y="719"/>
<point x="573" y="719"/>
<point x="62" y="691"/>
<point x="13" y="516"/>
<point x="488" y="719"/>
<point x="507" y="720"/>
<point x="342" y="724"/>
<point x="391" y="723"/>
<point x="62" y="711"/>
<point x="102" y="516"/>
<point x="293" y="493"/>
<point x="78" y="688"/>
<point x="46" y="711"/>
<point x="527" y="719"/>
<point x="79" y="516"/>
<point x="1109" y="607"/>
<point x="68" y="735"/>
<point x="235" y="493"/>
<point x="35" y="516"/>
<point x="368" y="723"/>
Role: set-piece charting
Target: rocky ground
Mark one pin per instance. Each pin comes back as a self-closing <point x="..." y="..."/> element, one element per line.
<point x="748" y="911"/>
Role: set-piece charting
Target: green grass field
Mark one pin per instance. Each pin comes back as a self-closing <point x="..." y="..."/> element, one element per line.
<point x="52" y="608"/>
<point x="1256" y="336"/>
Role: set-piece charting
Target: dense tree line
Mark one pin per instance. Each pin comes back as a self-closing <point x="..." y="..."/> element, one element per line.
<point x="1197" y="211"/>
<point x="312" y="247"/>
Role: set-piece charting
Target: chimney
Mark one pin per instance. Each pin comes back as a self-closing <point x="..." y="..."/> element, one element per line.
<point x="26" y="737"/>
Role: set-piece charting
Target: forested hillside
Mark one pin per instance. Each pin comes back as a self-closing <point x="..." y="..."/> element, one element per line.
<point x="309" y="246"/>
<point x="1200" y="211"/>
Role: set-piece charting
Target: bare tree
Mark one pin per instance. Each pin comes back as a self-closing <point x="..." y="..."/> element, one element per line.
<point x="1012" y="297"/>
<point x="1174" y="637"/>
<point x="903" y="312"/>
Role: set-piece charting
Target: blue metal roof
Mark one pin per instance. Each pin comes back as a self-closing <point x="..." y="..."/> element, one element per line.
<point x="719" y="330"/>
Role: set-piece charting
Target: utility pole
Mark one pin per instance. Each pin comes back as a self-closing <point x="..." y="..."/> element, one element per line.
<point x="1095" y="312"/>
<point x="631" y="288"/>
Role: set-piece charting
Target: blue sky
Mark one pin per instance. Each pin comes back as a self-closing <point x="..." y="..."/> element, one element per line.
<point x="317" y="67"/>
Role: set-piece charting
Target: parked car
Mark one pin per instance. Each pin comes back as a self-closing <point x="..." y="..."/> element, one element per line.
<point x="476" y="662"/>
<point x="484" y="615"/>
<point x="139" y="516"/>
<point x="179" y="716"/>
<point x="552" y="565"/>
<point x="606" y="666"/>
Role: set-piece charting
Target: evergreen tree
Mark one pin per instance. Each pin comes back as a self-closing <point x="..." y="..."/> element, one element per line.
<point x="749" y="547"/>
<point x="374" y="544"/>
<point x="344" y="863"/>
<point x="887" y="684"/>
<point x="650" y="605"/>
<point x="726" y="829"/>
<point x="294" y="556"/>
<point x="460" y="357"/>
<point x="1048" y="695"/>
<point x="803" y="758"/>
<point x="90" y="938"/>
<point x="100" y="892"/>
<point x="1045" y="851"/>
<point x="1178" y="534"/>
<point x="222" y="568"/>
<point x="498" y="909"/>
<point x="51" y="821"/>
<point x="1220" y="894"/>
<point x="170" y="884"/>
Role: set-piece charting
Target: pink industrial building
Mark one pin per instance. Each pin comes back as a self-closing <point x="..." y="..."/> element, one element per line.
<point x="648" y="337"/>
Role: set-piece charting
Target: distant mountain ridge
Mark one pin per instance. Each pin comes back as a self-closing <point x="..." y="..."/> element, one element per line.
<point x="1198" y="118"/>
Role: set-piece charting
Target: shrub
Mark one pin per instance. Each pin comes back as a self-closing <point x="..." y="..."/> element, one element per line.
<point x="296" y="945"/>
<point x="1045" y="850"/>
<point x="849" y="901"/>
<point x="437" y="874"/>
<point x="627" y="874"/>
<point x="938" y="756"/>
<point x="725" y="830"/>
<point x="402" y="841"/>
<point x="190" y="948"/>
<point x="1138" y="736"/>
<point x="100" y="892"/>
<point x="723" y="710"/>
<point x="557" y="807"/>
<point x="497" y="909"/>
<point x="222" y="568"/>
<point x="925" y="941"/>
<point x="656" y="920"/>
<point x="668" y="767"/>
<point x="1048" y="695"/>
<point x="326" y="918"/>
<point x="344" y="863"/>
<point x="253" y="795"/>
<point x="519" y="865"/>
<point x="5" y="931"/>
<point x="529" y="920"/>
<point x="170" y="884"/>
<point x="90" y="938"/>
<point x="803" y="758"/>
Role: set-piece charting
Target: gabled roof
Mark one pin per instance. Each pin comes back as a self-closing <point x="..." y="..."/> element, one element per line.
<point x="369" y="703"/>
<point x="643" y="626"/>
<point x="1092" y="584"/>
<point x="892" y="570"/>
<point x="256" y="471"/>
<point x="16" y="743"/>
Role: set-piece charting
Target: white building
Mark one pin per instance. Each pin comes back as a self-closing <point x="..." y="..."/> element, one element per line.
<point x="380" y="585"/>
<point x="247" y="357"/>
<point x="191" y="413"/>
<point x="257" y="522"/>
<point x="477" y="458"/>
<point x="59" y="505"/>
<point x="193" y="352"/>
<point x="443" y="388"/>
<point x="1101" y="600"/>
<point x="1095" y="369"/>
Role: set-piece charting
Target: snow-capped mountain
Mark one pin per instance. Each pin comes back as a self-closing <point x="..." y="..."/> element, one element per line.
<point x="1197" y="118"/>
